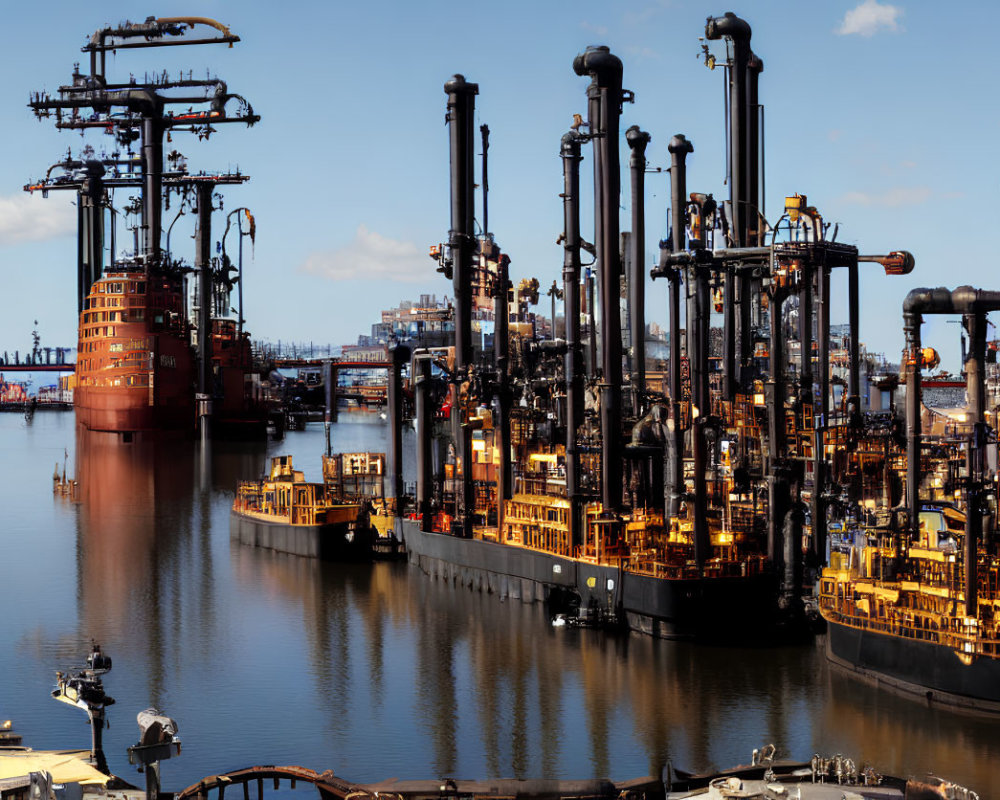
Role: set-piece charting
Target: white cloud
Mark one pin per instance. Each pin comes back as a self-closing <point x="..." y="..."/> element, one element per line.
<point x="870" y="17"/>
<point x="600" y="30"/>
<point x="891" y="198"/>
<point x="643" y="52"/>
<point x="371" y="256"/>
<point x="31" y="218"/>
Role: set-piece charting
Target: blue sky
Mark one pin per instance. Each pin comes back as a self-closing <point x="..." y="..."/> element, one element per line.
<point x="883" y="113"/>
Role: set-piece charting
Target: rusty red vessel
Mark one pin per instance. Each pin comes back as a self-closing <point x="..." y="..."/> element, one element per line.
<point x="135" y="365"/>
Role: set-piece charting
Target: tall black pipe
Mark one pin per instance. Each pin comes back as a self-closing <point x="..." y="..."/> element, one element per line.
<point x="731" y="302"/>
<point x="461" y="240"/>
<point x="203" y="267"/>
<point x="755" y="66"/>
<point x="637" y="141"/>
<point x="501" y="349"/>
<point x="911" y="333"/>
<point x="484" y="131"/>
<point x="152" y="191"/>
<point x="424" y="413"/>
<point x="777" y="484"/>
<point x="605" y="70"/>
<point x="329" y="398"/>
<point x="975" y="365"/>
<point x="738" y="31"/>
<point x="570" y="152"/>
<point x="737" y="289"/>
<point x="591" y="326"/>
<point x="90" y="235"/>
<point x="853" y="319"/>
<point x="594" y="99"/>
<point x="399" y="355"/>
<point x="755" y="208"/>
<point x="806" y="289"/>
<point x="820" y="470"/>
<point x="678" y="148"/>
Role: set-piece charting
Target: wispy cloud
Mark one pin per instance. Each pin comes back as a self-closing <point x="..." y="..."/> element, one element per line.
<point x="643" y="53"/>
<point x="869" y="18"/>
<point x="890" y="198"/>
<point x="371" y="256"/>
<point x="600" y="30"/>
<point x="834" y="135"/>
<point x="31" y="218"/>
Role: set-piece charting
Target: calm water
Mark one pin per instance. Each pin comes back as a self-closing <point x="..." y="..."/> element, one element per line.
<point x="374" y="672"/>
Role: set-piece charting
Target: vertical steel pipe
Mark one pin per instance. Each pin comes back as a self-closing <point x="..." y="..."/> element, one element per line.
<point x="90" y="235"/>
<point x="755" y="66"/>
<point x="399" y="355"/>
<point x="730" y="343"/>
<point x="425" y="420"/>
<point x="637" y="142"/>
<point x="461" y="240"/>
<point x="152" y="189"/>
<point x="570" y="153"/>
<point x="777" y="483"/>
<point x="911" y="333"/>
<point x="678" y="148"/>
<point x="737" y="287"/>
<point x="329" y="400"/>
<point x="819" y="447"/>
<point x="853" y="320"/>
<point x="605" y="70"/>
<point x="501" y="347"/>
<point x="203" y="267"/>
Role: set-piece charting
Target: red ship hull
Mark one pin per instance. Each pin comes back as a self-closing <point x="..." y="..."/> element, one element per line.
<point x="135" y="368"/>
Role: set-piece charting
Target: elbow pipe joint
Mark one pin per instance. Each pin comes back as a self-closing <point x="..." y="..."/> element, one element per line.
<point x="928" y="301"/>
<point x="637" y="140"/>
<point x="599" y="62"/>
<point x="680" y="146"/>
<point x="730" y="26"/>
<point x="569" y="146"/>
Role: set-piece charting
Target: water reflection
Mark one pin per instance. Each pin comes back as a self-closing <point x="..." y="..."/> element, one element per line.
<point x="497" y="691"/>
<point x="134" y="527"/>
<point x="144" y="543"/>
<point x="380" y="671"/>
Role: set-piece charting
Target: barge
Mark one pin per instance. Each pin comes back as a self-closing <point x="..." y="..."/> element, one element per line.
<point x="286" y="513"/>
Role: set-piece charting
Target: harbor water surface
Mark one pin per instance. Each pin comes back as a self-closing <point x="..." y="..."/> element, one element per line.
<point x="375" y="671"/>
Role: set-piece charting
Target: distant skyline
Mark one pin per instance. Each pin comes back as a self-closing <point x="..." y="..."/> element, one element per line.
<point x="882" y="113"/>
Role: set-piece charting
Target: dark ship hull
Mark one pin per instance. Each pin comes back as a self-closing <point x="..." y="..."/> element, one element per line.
<point x="731" y="608"/>
<point x="927" y="670"/>
<point x="336" y="541"/>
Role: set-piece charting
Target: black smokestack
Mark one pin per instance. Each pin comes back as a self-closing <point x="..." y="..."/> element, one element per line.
<point x="605" y="70"/>
<point x="570" y="152"/>
<point x="461" y="241"/>
<point x="637" y="141"/>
